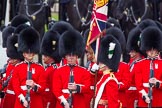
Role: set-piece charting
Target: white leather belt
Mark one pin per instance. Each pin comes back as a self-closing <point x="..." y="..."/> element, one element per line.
<point x="146" y="85"/>
<point x="23" y="87"/>
<point x="10" y="92"/>
<point x="132" y="88"/>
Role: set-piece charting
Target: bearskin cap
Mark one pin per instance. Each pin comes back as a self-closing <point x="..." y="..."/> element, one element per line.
<point x="119" y="35"/>
<point x="110" y="52"/>
<point x="20" y="28"/>
<point x="12" y="48"/>
<point x="71" y="42"/>
<point x="151" y="38"/>
<point x="112" y="22"/>
<point x="9" y="30"/>
<point x="61" y="26"/>
<point x="20" y="19"/>
<point x="28" y="40"/>
<point x="159" y="25"/>
<point x="49" y="45"/>
<point x="146" y="23"/>
<point x="133" y="42"/>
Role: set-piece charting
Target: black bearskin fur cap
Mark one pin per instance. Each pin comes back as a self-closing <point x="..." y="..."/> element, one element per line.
<point x="49" y="45"/>
<point x="20" y="19"/>
<point x="103" y="57"/>
<point x="9" y="30"/>
<point x="20" y="28"/>
<point x="71" y="42"/>
<point x="146" y="23"/>
<point x="61" y="27"/>
<point x="28" y="41"/>
<point x="133" y="42"/>
<point x="12" y="48"/>
<point x="151" y="37"/>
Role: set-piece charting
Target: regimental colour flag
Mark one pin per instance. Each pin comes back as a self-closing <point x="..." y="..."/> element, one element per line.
<point x="99" y="18"/>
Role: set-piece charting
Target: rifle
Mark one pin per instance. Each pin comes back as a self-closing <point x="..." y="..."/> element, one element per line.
<point x="151" y="85"/>
<point x="5" y="83"/>
<point x="29" y="77"/>
<point x="71" y="80"/>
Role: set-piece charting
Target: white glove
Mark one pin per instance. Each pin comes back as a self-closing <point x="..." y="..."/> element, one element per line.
<point x="155" y="82"/>
<point x="66" y="105"/>
<point x="94" y="68"/>
<point x="145" y="96"/>
<point x="147" y="99"/>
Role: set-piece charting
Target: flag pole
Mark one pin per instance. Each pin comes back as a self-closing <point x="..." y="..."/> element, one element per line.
<point x="97" y="30"/>
<point x="98" y="40"/>
<point x="95" y="79"/>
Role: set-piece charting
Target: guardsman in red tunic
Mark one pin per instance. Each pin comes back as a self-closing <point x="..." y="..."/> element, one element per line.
<point x="50" y="52"/>
<point x="148" y="71"/>
<point x="123" y="73"/>
<point x="28" y="76"/>
<point x="133" y="47"/>
<point x="7" y="31"/>
<point x="92" y="67"/>
<point x="15" y="57"/>
<point x="107" y="87"/>
<point x="71" y="81"/>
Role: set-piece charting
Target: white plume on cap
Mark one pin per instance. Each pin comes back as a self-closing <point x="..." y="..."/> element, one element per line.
<point x="139" y="40"/>
<point x="111" y="50"/>
<point x="28" y="23"/>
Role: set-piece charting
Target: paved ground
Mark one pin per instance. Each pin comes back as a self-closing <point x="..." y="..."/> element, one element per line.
<point x="3" y="57"/>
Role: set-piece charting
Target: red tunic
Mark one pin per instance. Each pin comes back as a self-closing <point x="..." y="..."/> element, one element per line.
<point x="123" y="77"/>
<point x="142" y="73"/>
<point x="60" y="85"/>
<point x="49" y="100"/>
<point x="19" y="83"/>
<point x="9" y="99"/>
<point x="109" y="92"/>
